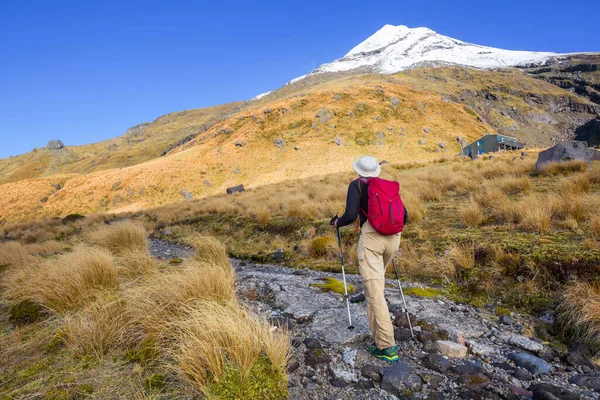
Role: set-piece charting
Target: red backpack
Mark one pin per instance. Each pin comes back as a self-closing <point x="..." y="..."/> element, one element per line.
<point x="386" y="210"/>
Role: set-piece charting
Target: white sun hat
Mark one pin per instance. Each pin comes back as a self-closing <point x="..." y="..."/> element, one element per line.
<point x="367" y="167"/>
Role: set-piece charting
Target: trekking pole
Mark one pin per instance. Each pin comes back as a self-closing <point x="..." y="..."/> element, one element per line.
<point x="403" y="299"/>
<point x="337" y="230"/>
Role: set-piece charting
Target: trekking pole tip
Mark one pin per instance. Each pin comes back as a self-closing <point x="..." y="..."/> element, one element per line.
<point x="351" y="327"/>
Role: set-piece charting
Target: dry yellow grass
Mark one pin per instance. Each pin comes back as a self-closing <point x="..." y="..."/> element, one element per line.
<point x="579" y="312"/>
<point x="595" y="226"/>
<point x="100" y="327"/>
<point x="162" y="298"/>
<point x="136" y="263"/>
<point x="472" y="214"/>
<point x="214" y="338"/>
<point x="209" y="250"/>
<point x="14" y="254"/>
<point x="120" y="237"/>
<point x="463" y="255"/>
<point x="562" y="168"/>
<point x="66" y="282"/>
<point x="535" y="213"/>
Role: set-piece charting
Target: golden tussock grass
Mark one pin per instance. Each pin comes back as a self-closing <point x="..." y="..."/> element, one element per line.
<point x="323" y="246"/>
<point x="415" y="207"/>
<point x="535" y="213"/>
<point x="120" y="237"/>
<point x="161" y="299"/>
<point x="420" y="260"/>
<point x="463" y="255"/>
<point x="214" y="338"/>
<point x="99" y="327"/>
<point x="579" y="312"/>
<point x="66" y="282"/>
<point x="595" y="226"/>
<point x="515" y="185"/>
<point x="563" y="168"/>
<point x="576" y="185"/>
<point x="209" y="250"/>
<point x="14" y="254"/>
<point x="134" y="263"/>
<point x="471" y="215"/>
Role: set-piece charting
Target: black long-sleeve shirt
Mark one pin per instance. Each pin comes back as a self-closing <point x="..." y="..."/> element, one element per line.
<point x="357" y="200"/>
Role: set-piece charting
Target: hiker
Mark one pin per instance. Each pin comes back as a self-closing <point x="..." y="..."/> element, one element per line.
<point x="375" y="252"/>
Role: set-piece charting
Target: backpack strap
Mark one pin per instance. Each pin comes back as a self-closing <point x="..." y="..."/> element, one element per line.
<point x="366" y="182"/>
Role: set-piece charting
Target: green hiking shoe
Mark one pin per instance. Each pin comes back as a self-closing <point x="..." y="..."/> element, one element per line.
<point x="390" y="354"/>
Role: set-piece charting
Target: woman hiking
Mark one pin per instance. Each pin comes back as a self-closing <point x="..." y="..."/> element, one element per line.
<point x="375" y="249"/>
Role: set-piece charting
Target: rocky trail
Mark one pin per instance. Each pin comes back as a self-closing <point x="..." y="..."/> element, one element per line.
<point x="459" y="352"/>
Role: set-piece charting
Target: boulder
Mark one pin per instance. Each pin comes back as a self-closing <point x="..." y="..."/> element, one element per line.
<point x="579" y="355"/>
<point x="394" y="101"/>
<point x="475" y="381"/>
<point x="587" y="381"/>
<point x="402" y="334"/>
<point x="349" y="357"/>
<point x="435" y="362"/>
<point x="371" y="371"/>
<point x="312" y="343"/>
<point x="442" y="145"/>
<point x="506" y="320"/>
<point x="293" y="365"/>
<point x="450" y="349"/>
<point x="524" y="343"/>
<point x="187" y="194"/>
<point x="462" y="141"/>
<point x="337" y="140"/>
<point x="235" y="189"/>
<point x="279" y="142"/>
<point x="240" y="143"/>
<point x="55" y="145"/>
<point x="468" y="368"/>
<point x="563" y="152"/>
<point x="316" y="356"/>
<point x="595" y="154"/>
<point x="324" y="115"/>
<point x="421" y="142"/>
<point x="531" y="363"/>
<point x="426" y="130"/>
<point x="282" y="322"/>
<point x="400" y="377"/>
<point x="547" y="391"/>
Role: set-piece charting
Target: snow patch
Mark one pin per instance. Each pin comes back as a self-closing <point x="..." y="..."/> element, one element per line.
<point x="260" y="96"/>
<point x="395" y="48"/>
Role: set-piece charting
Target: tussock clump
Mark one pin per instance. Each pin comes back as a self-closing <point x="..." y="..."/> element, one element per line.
<point x="563" y="168"/>
<point x="14" y="254"/>
<point x="66" y="282"/>
<point x="515" y="185"/>
<point x="136" y="263"/>
<point x="471" y="215"/>
<point x="209" y="250"/>
<point x="323" y="246"/>
<point x="99" y="327"/>
<point x="579" y="312"/>
<point x="220" y="347"/>
<point x="595" y="226"/>
<point x="415" y="207"/>
<point x="162" y="298"/>
<point x="535" y="213"/>
<point x="121" y="237"/>
<point x="463" y="255"/>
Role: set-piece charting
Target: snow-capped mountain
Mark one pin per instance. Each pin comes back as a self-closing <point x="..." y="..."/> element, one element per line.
<point x="396" y="48"/>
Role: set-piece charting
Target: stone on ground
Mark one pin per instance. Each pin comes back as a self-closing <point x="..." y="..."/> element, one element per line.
<point x="563" y="152"/>
<point x="450" y="349"/>
<point x="399" y="377"/>
<point x="531" y="363"/>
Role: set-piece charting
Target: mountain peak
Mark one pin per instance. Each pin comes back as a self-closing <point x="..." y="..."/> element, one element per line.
<point x="395" y="48"/>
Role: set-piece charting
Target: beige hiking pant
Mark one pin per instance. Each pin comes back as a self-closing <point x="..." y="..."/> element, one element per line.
<point x="375" y="252"/>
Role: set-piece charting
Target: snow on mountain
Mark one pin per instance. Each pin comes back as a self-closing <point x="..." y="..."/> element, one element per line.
<point x="396" y="48"/>
<point x="260" y="96"/>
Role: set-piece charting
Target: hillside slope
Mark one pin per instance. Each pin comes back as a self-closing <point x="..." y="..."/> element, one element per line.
<point x="139" y="143"/>
<point x="307" y="130"/>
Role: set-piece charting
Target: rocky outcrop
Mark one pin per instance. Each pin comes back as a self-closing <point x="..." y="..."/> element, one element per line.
<point x="563" y="152"/>
<point x="55" y="145"/>
<point x="235" y="189"/>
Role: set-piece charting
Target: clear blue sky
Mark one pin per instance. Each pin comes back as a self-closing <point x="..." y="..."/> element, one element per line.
<point x="85" y="71"/>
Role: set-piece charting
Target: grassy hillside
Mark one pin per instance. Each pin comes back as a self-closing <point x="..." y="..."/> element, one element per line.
<point x="140" y="143"/>
<point x="320" y="125"/>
